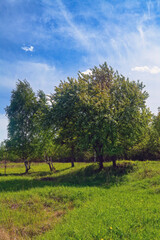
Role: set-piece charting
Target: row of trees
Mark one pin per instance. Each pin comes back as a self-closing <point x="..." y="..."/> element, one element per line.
<point x="101" y="114"/>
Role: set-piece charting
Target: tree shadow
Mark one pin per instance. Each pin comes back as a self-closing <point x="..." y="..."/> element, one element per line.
<point x="88" y="176"/>
<point x="12" y="174"/>
<point x="35" y="174"/>
<point x="91" y="176"/>
<point x="61" y="170"/>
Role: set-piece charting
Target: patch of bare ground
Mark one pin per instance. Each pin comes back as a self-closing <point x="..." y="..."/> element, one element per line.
<point x="9" y="234"/>
<point x="4" y="235"/>
<point x="50" y="218"/>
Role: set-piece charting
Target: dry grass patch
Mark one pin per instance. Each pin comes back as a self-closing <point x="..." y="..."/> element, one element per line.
<point x="4" y="235"/>
<point x="15" y="232"/>
<point x="25" y="219"/>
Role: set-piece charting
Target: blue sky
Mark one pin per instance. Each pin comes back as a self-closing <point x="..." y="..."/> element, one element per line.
<point x="45" y="41"/>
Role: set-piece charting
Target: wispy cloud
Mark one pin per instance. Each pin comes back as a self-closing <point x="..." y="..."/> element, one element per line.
<point x="124" y="33"/>
<point x="121" y="37"/>
<point x="152" y="70"/>
<point x="28" y="49"/>
<point x="71" y="28"/>
<point x="40" y="75"/>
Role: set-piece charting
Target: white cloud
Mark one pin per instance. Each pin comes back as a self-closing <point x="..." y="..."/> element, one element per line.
<point x="28" y="49"/>
<point x="41" y="75"/>
<point x="88" y="72"/>
<point x="131" y="41"/>
<point x="152" y="70"/>
<point x="3" y="127"/>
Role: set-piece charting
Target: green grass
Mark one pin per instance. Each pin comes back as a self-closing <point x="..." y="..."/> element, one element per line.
<point x="81" y="203"/>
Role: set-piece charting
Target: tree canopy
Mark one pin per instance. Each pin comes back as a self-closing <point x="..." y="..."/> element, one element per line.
<point x="101" y="112"/>
<point x="20" y="113"/>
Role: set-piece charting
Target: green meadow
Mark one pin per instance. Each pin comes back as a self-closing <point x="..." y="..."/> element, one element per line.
<point x="80" y="203"/>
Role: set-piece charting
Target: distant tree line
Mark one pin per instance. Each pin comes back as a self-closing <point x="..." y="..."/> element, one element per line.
<point x="100" y="116"/>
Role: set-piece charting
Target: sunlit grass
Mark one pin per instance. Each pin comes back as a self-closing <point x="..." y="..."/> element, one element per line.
<point x="81" y="203"/>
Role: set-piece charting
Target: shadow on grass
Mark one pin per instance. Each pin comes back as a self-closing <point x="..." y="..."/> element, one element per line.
<point x="88" y="176"/>
<point x="38" y="174"/>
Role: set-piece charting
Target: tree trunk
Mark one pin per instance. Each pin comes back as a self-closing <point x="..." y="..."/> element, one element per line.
<point x="50" y="163"/>
<point x="72" y="157"/>
<point x="114" y="162"/>
<point x="100" y="160"/>
<point x="48" y="160"/>
<point x="99" y="155"/>
<point x="72" y="162"/>
<point x="50" y="167"/>
<point x="95" y="156"/>
<point x="27" y="166"/>
<point x="5" y="167"/>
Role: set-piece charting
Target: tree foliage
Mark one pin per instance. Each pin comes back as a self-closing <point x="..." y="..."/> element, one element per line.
<point x="101" y="110"/>
<point x="21" y="113"/>
<point x="102" y="113"/>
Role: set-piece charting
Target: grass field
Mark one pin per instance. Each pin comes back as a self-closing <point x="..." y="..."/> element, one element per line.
<point x="81" y="203"/>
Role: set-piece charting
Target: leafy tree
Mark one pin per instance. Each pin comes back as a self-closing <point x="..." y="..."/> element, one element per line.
<point x="153" y="145"/>
<point x="21" y="113"/>
<point x="156" y="123"/>
<point x="2" y="150"/>
<point x="148" y="147"/>
<point x="64" y="115"/>
<point x="101" y="110"/>
<point x="117" y="113"/>
<point x="130" y="115"/>
<point x="44" y="135"/>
